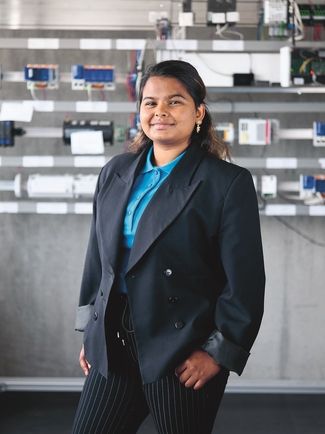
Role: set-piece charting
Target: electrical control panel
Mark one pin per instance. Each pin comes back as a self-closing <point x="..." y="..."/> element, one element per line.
<point x="8" y="131"/>
<point x="226" y="131"/>
<point x="312" y="14"/>
<point x="268" y="186"/>
<point x="41" y="76"/>
<point x="312" y="188"/>
<point x="95" y="77"/>
<point x="307" y="66"/>
<point x="222" y="11"/>
<point x="258" y="131"/>
<point x="276" y="17"/>
<point x="275" y="11"/>
<point x="72" y="126"/>
<point x="319" y="133"/>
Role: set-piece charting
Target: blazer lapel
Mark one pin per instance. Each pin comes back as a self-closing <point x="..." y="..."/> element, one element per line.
<point x="166" y="204"/>
<point x="113" y="199"/>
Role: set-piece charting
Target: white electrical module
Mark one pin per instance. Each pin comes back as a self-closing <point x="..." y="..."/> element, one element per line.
<point x="268" y="186"/>
<point x="258" y="131"/>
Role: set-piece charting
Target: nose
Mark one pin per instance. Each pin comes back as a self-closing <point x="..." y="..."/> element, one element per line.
<point x="160" y="110"/>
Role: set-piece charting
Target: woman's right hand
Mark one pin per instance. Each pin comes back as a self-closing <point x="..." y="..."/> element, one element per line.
<point x="85" y="366"/>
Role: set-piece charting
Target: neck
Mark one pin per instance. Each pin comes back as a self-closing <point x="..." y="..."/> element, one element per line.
<point x="163" y="155"/>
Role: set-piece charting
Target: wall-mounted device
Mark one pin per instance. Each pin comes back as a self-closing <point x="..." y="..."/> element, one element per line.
<point x="226" y="131"/>
<point x="312" y="14"/>
<point x="61" y="186"/>
<point x="276" y="17"/>
<point x="94" y="77"/>
<point x="312" y="189"/>
<point x="41" y="76"/>
<point x="268" y="186"/>
<point x="163" y="28"/>
<point x="318" y="133"/>
<point x="301" y="67"/>
<point x="72" y="126"/>
<point x="51" y="186"/>
<point x="222" y="12"/>
<point x="258" y="131"/>
<point x="8" y="133"/>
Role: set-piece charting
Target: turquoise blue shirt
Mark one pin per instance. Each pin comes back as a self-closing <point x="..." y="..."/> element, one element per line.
<point x="146" y="184"/>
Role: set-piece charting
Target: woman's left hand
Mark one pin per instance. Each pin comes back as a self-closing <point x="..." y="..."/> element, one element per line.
<point x="197" y="369"/>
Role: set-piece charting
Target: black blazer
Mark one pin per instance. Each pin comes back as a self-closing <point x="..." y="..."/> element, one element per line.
<point x="195" y="275"/>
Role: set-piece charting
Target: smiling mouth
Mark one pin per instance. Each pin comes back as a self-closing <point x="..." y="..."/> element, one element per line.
<point x="161" y="125"/>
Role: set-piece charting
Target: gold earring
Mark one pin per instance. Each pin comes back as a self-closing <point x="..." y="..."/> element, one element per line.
<point x="198" y="127"/>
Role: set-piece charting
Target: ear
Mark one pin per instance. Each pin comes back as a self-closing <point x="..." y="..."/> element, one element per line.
<point x="200" y="113"/>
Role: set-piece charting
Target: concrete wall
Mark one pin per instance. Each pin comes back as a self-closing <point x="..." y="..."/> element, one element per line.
<point x="41" y="256"/>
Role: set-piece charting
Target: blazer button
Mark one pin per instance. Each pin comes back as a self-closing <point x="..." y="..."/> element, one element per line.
<point x="179" y="324"/>
<point x="168" y="272"/>
<point x="173" y="299"/>
<point x="95" y="316"/>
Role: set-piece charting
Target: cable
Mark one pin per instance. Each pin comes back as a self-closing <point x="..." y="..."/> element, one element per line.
<point x="32" y="92"/>
<point x="298" y="232"/>
<point x="222" y="31"/>
<point x="89" y="93"/>
<point x="234" y="32"/>
<point x="298" y="27"/>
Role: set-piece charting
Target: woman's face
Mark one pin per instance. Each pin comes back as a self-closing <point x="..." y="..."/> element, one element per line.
<point x="167" y="112"/>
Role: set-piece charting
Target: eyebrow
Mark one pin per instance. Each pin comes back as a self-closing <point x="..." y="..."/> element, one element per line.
<point x="169" y="96"/>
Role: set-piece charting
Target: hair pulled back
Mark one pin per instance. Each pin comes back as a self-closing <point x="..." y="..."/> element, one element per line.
<point x="186" y="74"/>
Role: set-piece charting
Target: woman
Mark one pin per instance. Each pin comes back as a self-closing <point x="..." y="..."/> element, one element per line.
<point x="173" y="285"/>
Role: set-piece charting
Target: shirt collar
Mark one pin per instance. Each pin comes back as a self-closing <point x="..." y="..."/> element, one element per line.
<point x="167" y="168"/>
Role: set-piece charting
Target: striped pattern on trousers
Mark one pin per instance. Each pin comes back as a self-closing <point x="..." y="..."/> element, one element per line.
<point x="119" y="403"/>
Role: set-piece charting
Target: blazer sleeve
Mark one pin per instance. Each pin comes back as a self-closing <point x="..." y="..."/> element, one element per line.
<point x="240" y="306"/>
<point x="92" y="273"/>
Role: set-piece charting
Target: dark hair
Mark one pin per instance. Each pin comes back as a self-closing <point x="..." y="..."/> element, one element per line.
<point x="190" y="79"/>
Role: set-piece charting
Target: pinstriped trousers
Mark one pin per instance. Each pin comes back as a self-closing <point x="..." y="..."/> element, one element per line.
<point x="119" y="403"/>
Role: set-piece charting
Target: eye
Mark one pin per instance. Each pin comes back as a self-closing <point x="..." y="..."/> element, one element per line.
<point x="175" y="102"/>
<point x="149" y="103"/>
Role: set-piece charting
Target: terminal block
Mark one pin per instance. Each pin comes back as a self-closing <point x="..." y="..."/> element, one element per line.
<point x="94" y="77"/>
<point x="41" y="76"/>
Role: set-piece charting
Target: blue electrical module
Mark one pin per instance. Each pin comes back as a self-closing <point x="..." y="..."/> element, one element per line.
<point x="41" y="76"/>
<point x="319" y="133"/>
<point x="95" y="77"/>
<point x="311" y="185"/>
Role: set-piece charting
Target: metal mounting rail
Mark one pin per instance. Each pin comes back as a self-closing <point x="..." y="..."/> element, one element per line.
<point x="56" y="207"/>
<point x="153" y="44"/>
<point x="35" y="161"/>
<point x="130" y="107"/>
<point x="75" y="384"/>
